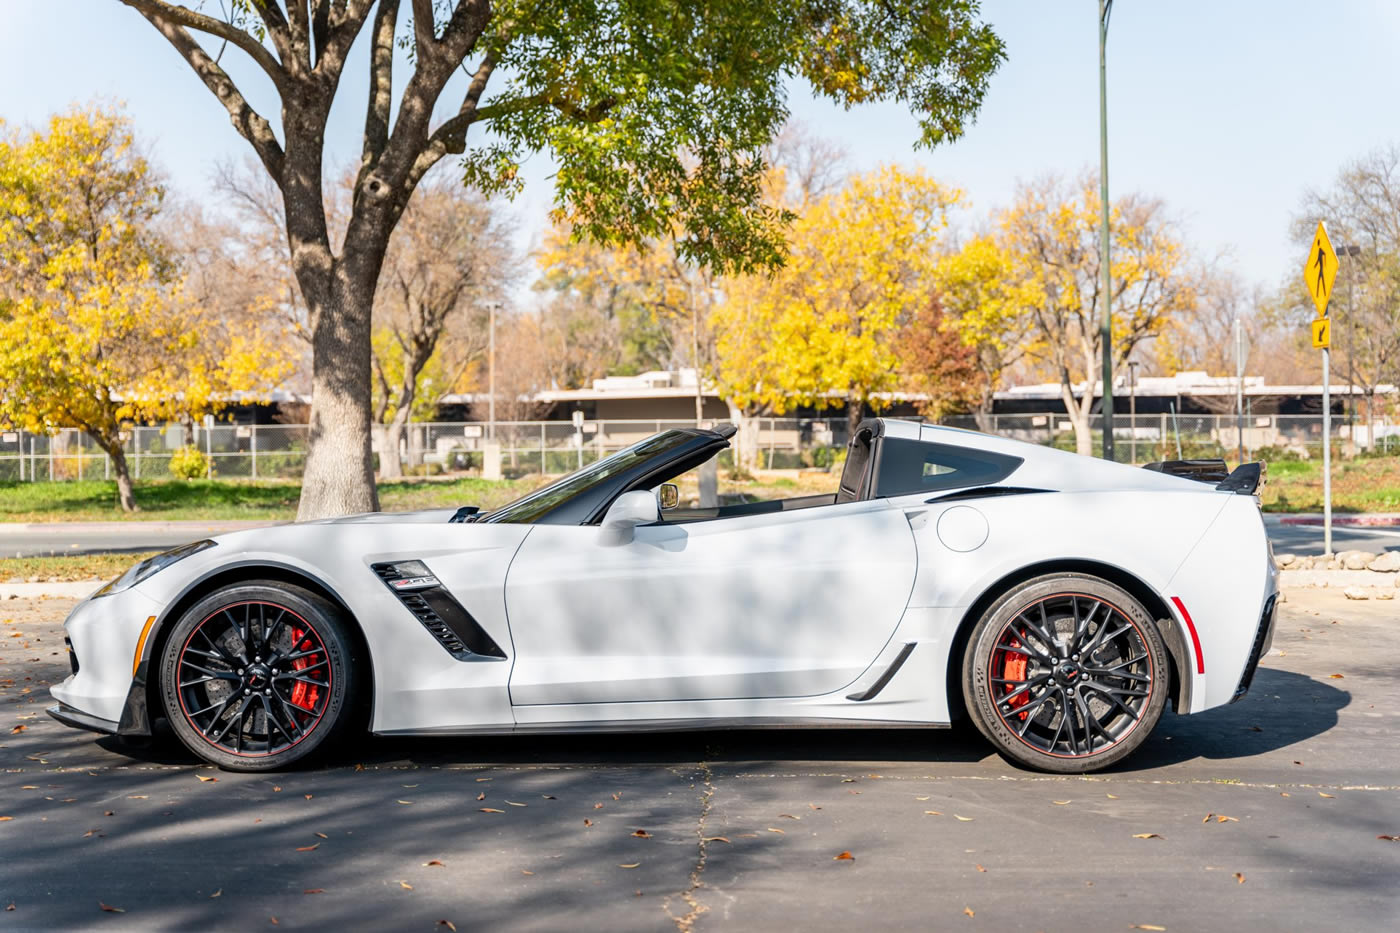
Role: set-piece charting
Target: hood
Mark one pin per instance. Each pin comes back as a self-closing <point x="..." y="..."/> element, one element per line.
<point x="421" y="517"/>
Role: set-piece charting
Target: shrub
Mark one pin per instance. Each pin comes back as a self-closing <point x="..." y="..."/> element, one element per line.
<point x="189" y="463"/>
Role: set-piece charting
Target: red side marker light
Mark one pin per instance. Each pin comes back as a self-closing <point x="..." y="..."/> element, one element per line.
<point x="1195" y="639"/>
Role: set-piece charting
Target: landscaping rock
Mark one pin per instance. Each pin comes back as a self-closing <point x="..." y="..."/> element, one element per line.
<point x="1385" y="594"/>
<point x="1285" y="560"/>
<point x="1332" y="565"/>
<point x="1389" y="562"/>
<point x="1356" y="560"/>
<point x="1356" y="592"/>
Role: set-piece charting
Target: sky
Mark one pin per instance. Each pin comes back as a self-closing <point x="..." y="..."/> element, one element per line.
<point x="1227" y="110"/>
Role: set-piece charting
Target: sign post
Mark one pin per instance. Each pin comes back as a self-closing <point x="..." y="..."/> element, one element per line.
<point x="1319" y="274"/>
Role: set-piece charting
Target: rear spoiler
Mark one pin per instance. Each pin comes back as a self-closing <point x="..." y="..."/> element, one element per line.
<point x="1245" y="479"/>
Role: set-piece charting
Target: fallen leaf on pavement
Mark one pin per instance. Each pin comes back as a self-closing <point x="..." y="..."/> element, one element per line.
<point x="307" y="796"/>
<point x="405" y="885"/>
<point x="969" y="911"/>
<point x="1384" y="837"/>
<point x="1328" y="796"/>
<point x="963" y="819"/>
<point x="1111" y="796"/>
<point x="843" y="857"/>
<point x="514" y="804"/>
<point x="549" y="797"/>
<point x="206" y="778"/>
<point x="276" y="789"/>
<point x="933" y="813"/>
<point x="981" y="869"/>
<point x="775" y="830"/>
<point x="18" y="729"/>
<point x="323" y="835"/>
<point x="435" y="863"/>
<point x="491" y="810"/>
<point x="789" y="816"/>
<point x="814" y="806"/>
<point x="448" y="924"/>
<point x="5" y="819"/>
<point x="921" y="798"/>
<point x="633" y="865"/>
<point x="1226" y="819"/>
<point x="617" y="796"/>
<point x="406" y="803"/>
<point x="1146" y="836"/>
<point x="724" y="840"/>
<point x="1239" y="877"/>
<point x="1335" y="676"/>
<point x="1145" y="926"/>
<point x="314" y="891"/>
<point x="217" y="893"/>
<point x="311" y="848"/>
<point x="587" y="822"/>
<point x="110" y="909"/>
<point x="597" y="806"/>
<point x="642" y="834"/>
<point x="1061" y="803"/>
<point x="481" y="796"/>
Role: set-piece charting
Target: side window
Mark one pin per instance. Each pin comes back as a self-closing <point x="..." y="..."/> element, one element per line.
<point x="907" y="467"/>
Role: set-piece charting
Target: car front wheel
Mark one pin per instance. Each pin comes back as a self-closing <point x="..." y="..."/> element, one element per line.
<point x="1066" y="673"/>
<point x="258" y="676"/>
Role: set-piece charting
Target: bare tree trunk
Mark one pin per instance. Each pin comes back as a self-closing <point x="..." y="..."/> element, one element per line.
<point x="1078" y="412"/>
<point x="855" y="414"/>
<point x="126" y="495"/>
<point x="391" y="439"/>
<point x="339" y="475"/>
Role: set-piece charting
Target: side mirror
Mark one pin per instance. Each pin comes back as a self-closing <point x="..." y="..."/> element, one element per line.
<point x="669" y="496"/>
<point x="629" y="510"/>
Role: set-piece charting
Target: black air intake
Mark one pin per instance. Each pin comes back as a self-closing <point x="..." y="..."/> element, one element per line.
<point x="445" y="619"/>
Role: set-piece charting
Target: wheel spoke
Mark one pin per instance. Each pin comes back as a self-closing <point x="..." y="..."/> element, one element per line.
<point x="217" y="675"/>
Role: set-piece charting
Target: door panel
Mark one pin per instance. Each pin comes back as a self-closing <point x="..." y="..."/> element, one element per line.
<point x="777" y="605"/>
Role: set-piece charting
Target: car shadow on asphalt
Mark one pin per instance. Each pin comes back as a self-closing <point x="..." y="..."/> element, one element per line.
<point x="1282" y="708"/>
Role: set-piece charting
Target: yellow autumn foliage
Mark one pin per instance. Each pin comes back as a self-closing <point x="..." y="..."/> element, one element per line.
<point x="96" y="331"/>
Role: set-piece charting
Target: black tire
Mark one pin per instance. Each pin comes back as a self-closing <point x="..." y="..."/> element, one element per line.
<point x="1066" y="673"/>
<point x="259" y="676"/>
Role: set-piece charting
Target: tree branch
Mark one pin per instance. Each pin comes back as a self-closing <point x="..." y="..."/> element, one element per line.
<point x="250" y="125"/>
<point x="381" y="85"/>
<point x="185" y="17"/>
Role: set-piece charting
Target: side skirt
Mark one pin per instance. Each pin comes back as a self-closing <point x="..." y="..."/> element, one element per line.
<point x="671" y="725"/>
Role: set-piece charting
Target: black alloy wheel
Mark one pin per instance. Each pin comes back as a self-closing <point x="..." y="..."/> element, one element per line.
<point x="258" y="676"/>
<point x="1066" y="673"/>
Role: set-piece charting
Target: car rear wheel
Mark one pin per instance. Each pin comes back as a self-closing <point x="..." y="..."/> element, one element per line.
<point x="1066" y="673"/>
<point x="258" y="676"/>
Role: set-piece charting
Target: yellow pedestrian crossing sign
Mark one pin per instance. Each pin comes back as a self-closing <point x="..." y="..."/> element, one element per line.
<point x="1322" y="333"/>
<point x="1320" y="272"/>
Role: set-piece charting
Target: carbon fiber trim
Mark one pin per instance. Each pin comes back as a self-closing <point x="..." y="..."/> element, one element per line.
<point x="431" y="604"/>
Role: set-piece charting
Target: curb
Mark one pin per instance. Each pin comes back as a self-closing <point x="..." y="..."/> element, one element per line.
<point x="1371" y="520"/>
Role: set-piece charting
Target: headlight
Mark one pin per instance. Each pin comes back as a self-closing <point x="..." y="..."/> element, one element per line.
<point x="151" y="566"/>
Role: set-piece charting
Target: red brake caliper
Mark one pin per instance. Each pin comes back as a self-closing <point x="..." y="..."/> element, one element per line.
<point x="303" y="693"/>
<point x="1013" y="667"/>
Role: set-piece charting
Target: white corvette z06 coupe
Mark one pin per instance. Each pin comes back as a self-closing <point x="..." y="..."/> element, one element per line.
<point x="1059" y="601"/>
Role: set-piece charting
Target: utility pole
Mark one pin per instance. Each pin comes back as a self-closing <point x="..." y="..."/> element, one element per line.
<point x="1239" y="387"/>
<point x="1106" y="312"/>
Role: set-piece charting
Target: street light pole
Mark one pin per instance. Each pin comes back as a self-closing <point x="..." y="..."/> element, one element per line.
<point x="1351" y="251"/>
<point x="1132" y="410"/>
<point x="491" y="378"/>
<point x="1106" y="312"/>
<point x="1239" y="388"/>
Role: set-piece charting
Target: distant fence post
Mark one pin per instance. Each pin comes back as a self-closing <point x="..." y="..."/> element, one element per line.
<point x="253" y="450"/>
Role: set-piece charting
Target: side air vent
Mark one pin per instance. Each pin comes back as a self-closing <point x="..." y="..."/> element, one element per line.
<point x="445" y="619"/>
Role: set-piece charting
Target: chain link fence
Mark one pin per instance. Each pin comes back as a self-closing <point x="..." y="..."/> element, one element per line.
<point x="279" y="451"/>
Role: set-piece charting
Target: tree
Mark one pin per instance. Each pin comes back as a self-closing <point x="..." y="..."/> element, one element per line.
<point x="983" y="303"/>
<point x="450" y="254"/>
<point x="938" y="365"/>
<point x="1050" y="238"/>
<point x="96" y="330"/>
<point x="1361" y="210"/>
<point x="822" y="330"/>
<point x="654" y="110"/>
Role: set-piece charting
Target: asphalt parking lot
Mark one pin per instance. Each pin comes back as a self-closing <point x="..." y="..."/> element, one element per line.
<point x="1261" y="816"/>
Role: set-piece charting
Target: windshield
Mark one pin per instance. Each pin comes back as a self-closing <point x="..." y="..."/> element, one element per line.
<point x="543" y="501"/>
